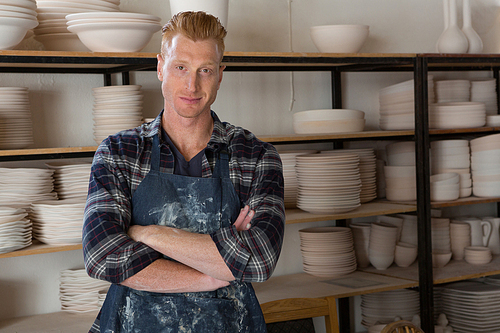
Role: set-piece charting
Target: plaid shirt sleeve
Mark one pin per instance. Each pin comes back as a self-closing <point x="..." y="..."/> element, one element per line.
<point x="109" y="253"/>
<point x="257" y="174"/>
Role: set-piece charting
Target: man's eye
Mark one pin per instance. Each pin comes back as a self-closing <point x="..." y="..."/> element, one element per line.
<point x="181" y="68"/>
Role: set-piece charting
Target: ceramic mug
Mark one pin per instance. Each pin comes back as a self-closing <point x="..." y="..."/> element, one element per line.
<point x="494" y="242"/>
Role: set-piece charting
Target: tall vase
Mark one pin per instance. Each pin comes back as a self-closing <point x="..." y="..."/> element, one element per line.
<point x="446" y="17"/>
<point x="453" y="40"/>
<point x="218" y="8"/>
<point x="475" y="42"/>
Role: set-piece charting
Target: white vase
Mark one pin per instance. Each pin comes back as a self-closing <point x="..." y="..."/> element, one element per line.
<point x="475" y="42"/>
<point x="453" y="40"/>
<point x="446" y="17"/>
<point x="218" y="8"/>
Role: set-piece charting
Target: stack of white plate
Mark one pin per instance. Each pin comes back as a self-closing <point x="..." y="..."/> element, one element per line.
<point x="367" y="170"/>
<point x="327" y="251"/>
<point x="384" y="306"/>
<point x="383" y="239"/>
<point x="71" y="180"/>
<point x="116" y="108"/>
<point x="52" y="31"/>
<point x="328" y="184"/>
<point x="58" y="221"/>
<point x="17" y="17"/>
<point x="472" y="306"/>
<point x="16" y="127"/>
<point x="452" y="91"/>
<point x="485" y="166"/>
<point x="361" y="237"/>
<point x="290" y="176"/>
<point x="400" y="182"/>
<point x="15" y="229"/>
<point x="397" y="105"/>
<point x="457" y="115"/>
<point x="478" y="255"/>
<point x="80" y="293"/>
<point x="22" y="186"/>
<point x="484" y="91"/>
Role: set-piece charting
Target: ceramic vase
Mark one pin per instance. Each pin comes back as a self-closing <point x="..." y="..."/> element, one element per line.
<point x="218" y="8"/>
<point x="475" y="42"/>
<point x="453" y="40"/>
<point x="446" y="17"/>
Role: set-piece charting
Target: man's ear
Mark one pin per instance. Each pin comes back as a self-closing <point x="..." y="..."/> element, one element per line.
<point x="159" y="67"/>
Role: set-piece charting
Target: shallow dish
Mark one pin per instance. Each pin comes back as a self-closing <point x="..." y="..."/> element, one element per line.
<point x="339" y="38"/>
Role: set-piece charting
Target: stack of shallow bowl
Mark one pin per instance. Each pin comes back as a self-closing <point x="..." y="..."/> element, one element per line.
<point x="80" y="293"/>
<point x="367" y="170"/>
<point x="397" y="105"/>
<point x="445" y="186"/>
<point x="328" y="121"/>
<point x="478" y="255"/>
<point x="328" y="184"/>
<point x="16" y="19"/>
<point x="16" y="127"/>
<point x="71" y="180"/>
<point x="485" y="165"/>
<point x="484" y="91"/>
<point x="290" y="175"/>
<point x="52" y="31"/>
<point x="452" y="91"/>
<point x="383" y="239"/>
<point x="15" y="229"/>
<point x="116" y="108"/>
<point x="113" y="31"/>
<point x="383" y="307"/>
<point x="58" y="222"/>
<point x="327" y="251"/>
<point x="457" y="115"/>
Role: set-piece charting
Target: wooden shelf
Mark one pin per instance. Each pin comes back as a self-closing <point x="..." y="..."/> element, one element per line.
<point x="49" y="323"/>
<point x="40" y="248"/>
<point x="47" y="151"/>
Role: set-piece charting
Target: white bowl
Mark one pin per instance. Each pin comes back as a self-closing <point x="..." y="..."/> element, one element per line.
<point x="115" y="36"/>
<point x="381" y="262"/>
<point x="400" y="182"/>
<point x="405" y="254"/>
<point x="339" y="38"/>
<point x="328" y="114"/>
<point x="392" y="171"/>
<point x="62" y="42"/>
<point x="440" y="259"/>
<point x="401" y="159"/>
<point x="438" y="194"/>
<point x="329" y="126"/>
<point x="465" y="192"/>
<point x="112" y="15"/>
<point x="13" y="30"/>
<point x="401" y="194"/>
<point x="445" y="178"/>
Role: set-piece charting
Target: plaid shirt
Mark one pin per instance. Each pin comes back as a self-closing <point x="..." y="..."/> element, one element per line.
<point x="122" y="161"/>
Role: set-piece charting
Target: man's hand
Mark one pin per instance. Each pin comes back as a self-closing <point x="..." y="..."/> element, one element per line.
<point x="242" y="223"/>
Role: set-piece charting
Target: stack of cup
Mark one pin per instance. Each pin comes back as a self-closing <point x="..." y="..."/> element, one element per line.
<point x="460" y="239"/>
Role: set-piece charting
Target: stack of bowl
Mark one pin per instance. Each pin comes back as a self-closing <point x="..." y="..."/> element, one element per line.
<point x="405" y="254"/>
<point x="52" y="31"/>
<point x="450" y="156"/>
<point x="16" y="126"/>
<point x="361" y="237"/>
<point x="400" y="182"/>
<point x="478" y="255"/>
<point x="113" y="31"/>
<point x="401" y="153"/>
<point x="328" y="184"/>
<point x="452" y="91"/>
<point x="367" y="170"/>
<point x="397" y="105"/>
<point x="340" y="38"/>
<point x="327" y="251"/>
<point x="409" y="232"/>
<point x="290" y="175"/>
<point x="445" y="186"/>
<point x="327" y="121"/>
<point x="457" y="115"/>
<point x="392" y="220"/>
<point x="116" y="108"/>
<point x="484" y="91"/>
<point x="440" y="232"/>
<point x="460" y="238"/>
<point x="485" y="165"/>
<point x="16" y="19"/>
<point x="383" y="238"/>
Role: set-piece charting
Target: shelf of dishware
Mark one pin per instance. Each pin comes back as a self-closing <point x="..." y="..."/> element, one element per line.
<point x="41" y="248"/>
<point x="454" y="270"/>
<point x="472" y="200"/>
<point x="49" y="322"/>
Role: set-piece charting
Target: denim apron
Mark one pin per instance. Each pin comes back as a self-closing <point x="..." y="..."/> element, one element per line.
<point x="200" y="205"/>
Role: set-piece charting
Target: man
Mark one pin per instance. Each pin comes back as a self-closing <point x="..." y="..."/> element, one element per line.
<point x="184" y="212"/>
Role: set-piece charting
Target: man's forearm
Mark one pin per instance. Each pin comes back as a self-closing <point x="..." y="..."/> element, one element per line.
<point x="165" y="276"/>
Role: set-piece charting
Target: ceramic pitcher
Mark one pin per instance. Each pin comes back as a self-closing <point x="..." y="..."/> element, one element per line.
<point x="494" y="243"/>
<point x="480" y="231"/>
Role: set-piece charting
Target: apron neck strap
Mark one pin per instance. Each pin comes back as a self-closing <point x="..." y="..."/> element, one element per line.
<point x="155" y="153"/>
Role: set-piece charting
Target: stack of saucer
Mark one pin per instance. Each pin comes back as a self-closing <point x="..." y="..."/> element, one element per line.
<point x="116" y="108"/>
<point x="16" y="127"/>
<point x="328" y="184"/>
<point x="452" y="91"/>
<point x="327" y="251"/>
<point x="71" y="180"/>
<point x="460" y="238"/>
<point x="484" y="91"/>
<point x="290" y="176"/>
<point x="80" y="293"/>
<point x="478" y="255"/>
<point x="15" y="229"/>
<point x="367" y="170"/>
<point x="457" y="115"/>
<point x="58" y="222"/>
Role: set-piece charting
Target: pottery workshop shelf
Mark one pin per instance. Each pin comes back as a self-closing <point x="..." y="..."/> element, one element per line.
<point x="49" y="323"/>
<point x="40" y="248"/>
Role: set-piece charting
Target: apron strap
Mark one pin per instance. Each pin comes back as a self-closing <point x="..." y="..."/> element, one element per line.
<point x="221" y="169"/>
<point x="155" y="153"/>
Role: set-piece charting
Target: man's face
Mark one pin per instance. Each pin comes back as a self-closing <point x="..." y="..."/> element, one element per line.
<point x="191" y="74"/>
